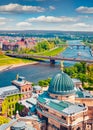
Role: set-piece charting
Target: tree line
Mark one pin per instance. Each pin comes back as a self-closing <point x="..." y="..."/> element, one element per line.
<point x="82" y="71"/>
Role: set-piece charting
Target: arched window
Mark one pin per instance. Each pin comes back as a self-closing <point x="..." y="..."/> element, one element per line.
<point x="78" y="128"/>
<point x="64" y="118"/>
<point x="26" y="89"/>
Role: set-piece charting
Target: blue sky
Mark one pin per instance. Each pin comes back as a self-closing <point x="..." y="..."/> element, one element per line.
<point x="64" y="15"/>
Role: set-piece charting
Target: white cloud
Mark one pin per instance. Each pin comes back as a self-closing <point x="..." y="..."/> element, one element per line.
<point x="2" y="23"/>
<point x="17" y="8"/>
<point x="51" y="7"/>
<point x="52" y="19"/>
<point x="76" y="27"/>
<point x="4" y="20"/>
<point x="83" y="25"/>
<point x="83" y="9"/>
<point x="23" y="24"/>
<point x="57" y="26"/>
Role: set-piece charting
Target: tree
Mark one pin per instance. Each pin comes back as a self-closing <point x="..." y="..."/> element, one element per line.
<point x="81" y="71"/>
<point x="44" y="45"/>
<point x="44" y="83"/>
<point x="82" y="78"/>
<point x="81" y="67"/>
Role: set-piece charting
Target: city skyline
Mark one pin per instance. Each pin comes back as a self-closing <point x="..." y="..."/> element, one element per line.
<point x="66" y="15"/>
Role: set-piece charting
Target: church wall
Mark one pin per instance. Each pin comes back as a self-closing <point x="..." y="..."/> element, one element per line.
<point x="69" y="98"/>
<point x="86" y="101"/>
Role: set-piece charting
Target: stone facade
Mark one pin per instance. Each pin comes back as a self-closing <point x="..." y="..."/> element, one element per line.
<point x="10" y="96"/>
<point x="55" y="107"/>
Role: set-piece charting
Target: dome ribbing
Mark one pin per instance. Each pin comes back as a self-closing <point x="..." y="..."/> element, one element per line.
<point x="61" y="84"/>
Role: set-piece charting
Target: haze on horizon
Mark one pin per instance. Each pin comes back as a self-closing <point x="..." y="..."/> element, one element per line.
<point x="62" y="15"/>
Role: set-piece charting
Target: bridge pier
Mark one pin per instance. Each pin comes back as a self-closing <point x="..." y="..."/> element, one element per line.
<point x="52" y="61"/>
<point x="84" y="47"/>
<point x="77" y="47"/>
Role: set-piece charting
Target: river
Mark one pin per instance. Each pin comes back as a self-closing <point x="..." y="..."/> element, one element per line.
<point x="39" y="71"/>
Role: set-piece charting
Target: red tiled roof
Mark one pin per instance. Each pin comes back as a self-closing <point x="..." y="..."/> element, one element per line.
<point x="5" y="43"/>
<point x="21" y="43"/>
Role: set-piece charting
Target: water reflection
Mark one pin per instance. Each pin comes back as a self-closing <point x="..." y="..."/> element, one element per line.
<point x="40" y="71"/>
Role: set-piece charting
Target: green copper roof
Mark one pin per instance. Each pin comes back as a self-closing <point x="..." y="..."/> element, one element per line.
<point x="61" y="83"/>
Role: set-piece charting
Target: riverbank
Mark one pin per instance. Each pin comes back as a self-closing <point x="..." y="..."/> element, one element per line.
<point x="8" y="67"/>
<point x="7" y="63"/>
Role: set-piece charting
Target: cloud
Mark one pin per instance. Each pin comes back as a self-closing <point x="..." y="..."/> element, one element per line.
<point x="52" y="19"/>
<point x="58" y="26"/>
<point x="23" y="24"/>
<point x="4" y="20"/>
<point x="51" y="7"/>
<point x="17" y="8"/>
<point x="83" y="9"/>
<point x="81" y="25"/>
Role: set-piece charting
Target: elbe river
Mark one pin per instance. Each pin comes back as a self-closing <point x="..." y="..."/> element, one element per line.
<point x="39" y="71"/>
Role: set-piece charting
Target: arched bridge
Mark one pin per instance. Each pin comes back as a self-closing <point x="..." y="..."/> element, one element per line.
<point x="77" y="45"/>
<point x="51" y="58"/>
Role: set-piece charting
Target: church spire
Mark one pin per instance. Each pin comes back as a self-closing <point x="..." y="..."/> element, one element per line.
<point x="17" y="76"/>
<point x="62" y="66"/>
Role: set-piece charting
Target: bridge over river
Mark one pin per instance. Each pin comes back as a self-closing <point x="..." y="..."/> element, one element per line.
<point x="51" y="58"/>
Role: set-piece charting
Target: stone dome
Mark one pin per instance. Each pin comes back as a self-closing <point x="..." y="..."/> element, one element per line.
<point x="61" y="84"/>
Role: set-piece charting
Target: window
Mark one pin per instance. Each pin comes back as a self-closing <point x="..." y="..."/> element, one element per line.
<point x="12" y="99"/>
<point x="9" y="106"/>
<point x="0" y="109"/>
<point x="63" y="128"/>
<point x="12" y="105"/>
<point x="26" y="89"/>
<point x="78" y="128"/>
<point x="64" y="118"/>
<point x="10" y="113"/>
<point x="42" y="128"/>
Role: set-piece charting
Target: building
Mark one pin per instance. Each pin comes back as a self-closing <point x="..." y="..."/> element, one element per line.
<point x="10" y="95"/>
<point x="64" y="106"/>
<point x="77" y="83"/>
<point x="25" y="123"/>
<point x="24" y="87"/>
<point x="17" y="44"/>
<point x="9" y="46"/>
<point x="37" y="89"/>
<point x="30" y="104"/>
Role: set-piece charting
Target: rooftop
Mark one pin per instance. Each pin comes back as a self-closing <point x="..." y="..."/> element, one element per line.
<point x="8" y="89"/>
<point x="37" y="87"/>
<point x="30" y="102"/>
<point x="18" y="125"/>
<point x="76" y="80"/>
<point x="20" y="81"/>
<point x="61" y="106"/>
<point x="83" y="93"/>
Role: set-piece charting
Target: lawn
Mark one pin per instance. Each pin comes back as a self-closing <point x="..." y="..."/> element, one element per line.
<point x="5" y="60"/>
<point x="52" y="52"/>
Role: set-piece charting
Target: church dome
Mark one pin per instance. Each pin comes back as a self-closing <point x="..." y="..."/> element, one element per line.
<point x="61" y="84"/>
